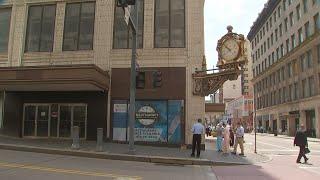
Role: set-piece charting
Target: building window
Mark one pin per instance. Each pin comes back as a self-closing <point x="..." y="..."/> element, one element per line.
<point x="272" y="57"/>
<point x="305" y="6"/>
<point x="305" y="89"/>
<point x="311" y="86"/>
<point x="271" y="39"/>
<point x="284" y="4"/>
<point x="275" y="16"/>
<point x="270" y="22"/>
<point x="269" y="59"/>
<point x="290" y="2"/>
<point x="302" y="63"/>
<point x="281" y="51"/>
<point x="267" y="26"/>
<point x="279" y="11"/>
<point x="40" y="29"/>
<point x="276" y="34"/>
<point x="298" y="12"/>
<point x="300" y="35"/>
<point x="79" y="26"/>
<point x="280" y="30"/>
<point x="293" y="41"/>
<point x="318" y="53"/>
<point x="289" y="70"/>
<point x="268" y="42"/>
<point x="291" y="19"/>
<point x="288" y="45"/>
<point x="282" y="73"/>
<point x="5" y="18"/>
<point x="316" y="2"/>
<point x="290" y="90"/>
<point x="265" y="47"/>
<point x="284" y="94"/>
<point x="122" y="34"/>
<point x="286" y="24"/>
<point x="316" y="22"/>
<point x="309" y="59"/>
<point x="169" y="23"/>
<point x="307" y="29"/>
<point x="280" y="96"/>
<point x="278" y="54"/>
<point x="296" y="91"/>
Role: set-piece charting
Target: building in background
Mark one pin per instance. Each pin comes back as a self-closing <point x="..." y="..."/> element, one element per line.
<point x="214" y="113"/>
<point x="230" y="90"/>
<point x="285" y="42"/>
<point x="241" y="110"/>
<point x="67" y="63"/>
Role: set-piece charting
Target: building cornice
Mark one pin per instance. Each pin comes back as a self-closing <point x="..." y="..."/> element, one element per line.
<point x="262" y="18"/>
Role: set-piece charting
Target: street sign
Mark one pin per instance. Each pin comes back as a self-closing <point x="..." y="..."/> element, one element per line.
<point x="127" y="14"/>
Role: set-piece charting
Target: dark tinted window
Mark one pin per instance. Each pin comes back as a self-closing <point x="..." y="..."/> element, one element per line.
<point x="5" y="16"/>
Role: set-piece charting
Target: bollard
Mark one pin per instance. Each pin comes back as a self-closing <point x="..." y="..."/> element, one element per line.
<point x="99" y="140"/>
<point x="75" y="138"/>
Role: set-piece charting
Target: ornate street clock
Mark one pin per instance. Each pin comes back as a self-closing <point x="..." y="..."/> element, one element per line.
<point x="233" y="51"/>
<point x="230" y="48"/>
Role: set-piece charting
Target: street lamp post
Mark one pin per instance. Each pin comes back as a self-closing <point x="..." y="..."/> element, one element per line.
<point x="254" y="120"/>
<point x="133" y="23"/>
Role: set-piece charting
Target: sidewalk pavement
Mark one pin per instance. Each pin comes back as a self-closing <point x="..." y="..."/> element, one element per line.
<point x="287" y="137"/>
<point x="143" y="153"/>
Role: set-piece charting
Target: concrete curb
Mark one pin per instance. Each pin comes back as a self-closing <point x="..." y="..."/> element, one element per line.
<point x="123" y="157"/>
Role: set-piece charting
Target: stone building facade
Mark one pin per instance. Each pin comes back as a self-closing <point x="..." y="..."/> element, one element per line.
<point x="286" y="66"/>
<point x="66" y="63"/>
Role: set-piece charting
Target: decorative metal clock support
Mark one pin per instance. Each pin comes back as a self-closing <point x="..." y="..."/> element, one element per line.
<point x="233" y="51"/>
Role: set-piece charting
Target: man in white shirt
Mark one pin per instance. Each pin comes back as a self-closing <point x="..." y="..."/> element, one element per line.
<point x="197" y="130"/>
<point x="239" y="139"/>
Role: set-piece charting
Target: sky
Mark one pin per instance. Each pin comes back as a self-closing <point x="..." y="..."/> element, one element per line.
<point x="218" y="14"/>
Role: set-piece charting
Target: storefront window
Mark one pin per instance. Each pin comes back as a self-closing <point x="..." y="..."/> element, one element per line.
<point x="156" y="121"/>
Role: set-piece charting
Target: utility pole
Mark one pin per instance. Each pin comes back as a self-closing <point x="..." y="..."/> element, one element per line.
<point x="133" y="23"/>
<point x="254" y="120"/>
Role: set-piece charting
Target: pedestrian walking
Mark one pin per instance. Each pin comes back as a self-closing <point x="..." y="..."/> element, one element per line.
<point x="231" y="137"/>
<point x="207" y="131"/>
<point x="301" y="140"/>
<point x="226" y="139"/>
<point x="219" y="138"/>
<point x="239" y="139"/>
<point x="197" y="130"/>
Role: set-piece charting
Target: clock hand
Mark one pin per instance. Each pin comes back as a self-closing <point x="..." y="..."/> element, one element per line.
<point x="227" y="47"/>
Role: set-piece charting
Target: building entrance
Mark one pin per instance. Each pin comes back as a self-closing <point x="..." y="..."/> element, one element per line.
<point x="54" y="120"/>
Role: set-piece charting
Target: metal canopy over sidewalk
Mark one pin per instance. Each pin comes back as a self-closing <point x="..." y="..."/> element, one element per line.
<point x="54" y="78"/>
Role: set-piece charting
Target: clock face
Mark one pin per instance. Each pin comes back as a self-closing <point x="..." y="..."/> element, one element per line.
<point x="230" y="50"/>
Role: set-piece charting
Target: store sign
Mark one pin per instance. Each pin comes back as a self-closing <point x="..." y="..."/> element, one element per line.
<point x="147" y="115"/>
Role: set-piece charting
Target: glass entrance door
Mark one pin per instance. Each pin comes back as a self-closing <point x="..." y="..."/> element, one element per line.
<point x="29" y="120"/>
<point x="42" y="120"/>
<point x="54" y="120"/>
<point x="65" y="122"/>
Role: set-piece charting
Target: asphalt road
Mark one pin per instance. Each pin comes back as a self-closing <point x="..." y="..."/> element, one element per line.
<point x="16" y="165"/>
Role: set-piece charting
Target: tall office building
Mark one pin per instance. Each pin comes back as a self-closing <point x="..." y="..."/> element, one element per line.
<point x="285" y="42"/>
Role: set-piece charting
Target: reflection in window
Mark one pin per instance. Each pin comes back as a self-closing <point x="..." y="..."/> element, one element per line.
<point x="79" y="26"/>
<point x="5" y="16"/>
<point x="169" y="23"/>
<point x="122" y="37"/>
<point x="40" y="30"/>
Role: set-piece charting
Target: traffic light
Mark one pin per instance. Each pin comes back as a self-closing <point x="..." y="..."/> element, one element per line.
<point x="125" y="3"/>
<point x="157" y="79"/>
<point x="140" y="80"/>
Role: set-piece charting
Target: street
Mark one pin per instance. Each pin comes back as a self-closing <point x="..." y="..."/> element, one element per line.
<point x="282" y="165"/>
<point x="16" y="165"/>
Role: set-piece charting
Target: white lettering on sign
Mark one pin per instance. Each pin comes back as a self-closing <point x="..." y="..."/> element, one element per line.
<point x="120" y="108"/>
